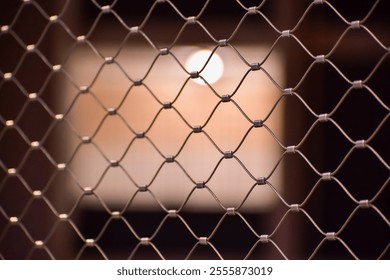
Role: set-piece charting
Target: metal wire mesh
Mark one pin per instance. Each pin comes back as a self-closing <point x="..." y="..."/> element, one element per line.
<point x="36" y="161"/>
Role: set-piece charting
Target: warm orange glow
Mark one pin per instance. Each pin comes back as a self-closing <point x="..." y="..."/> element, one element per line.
<point x="195" y="101"/>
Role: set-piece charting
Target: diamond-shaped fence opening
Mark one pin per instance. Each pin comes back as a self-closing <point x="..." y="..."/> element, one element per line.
<point x="215" y="129"/>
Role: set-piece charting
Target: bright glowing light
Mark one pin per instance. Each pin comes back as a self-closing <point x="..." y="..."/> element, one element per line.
<point x="213" y="70"/>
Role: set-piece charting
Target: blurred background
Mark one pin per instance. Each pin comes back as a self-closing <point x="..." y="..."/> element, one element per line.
<point x="111" y="146"/>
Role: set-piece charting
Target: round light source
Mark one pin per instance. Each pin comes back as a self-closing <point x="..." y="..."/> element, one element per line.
<point x="213" y="70"/>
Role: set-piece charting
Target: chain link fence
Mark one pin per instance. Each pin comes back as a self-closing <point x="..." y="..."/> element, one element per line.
<point x="113" y="146"/>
